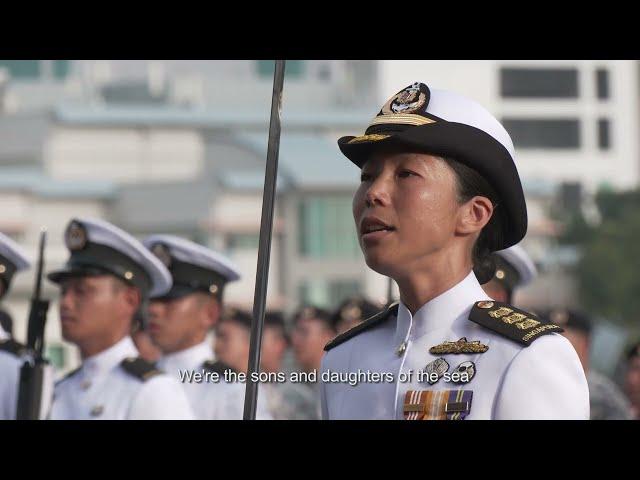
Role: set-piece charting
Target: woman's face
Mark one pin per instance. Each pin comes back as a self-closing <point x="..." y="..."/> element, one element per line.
<point x="405" y="210"/>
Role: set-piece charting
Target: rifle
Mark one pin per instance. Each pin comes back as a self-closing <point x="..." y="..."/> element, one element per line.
<point x="264" y="248"/>
<point x="36" y="370"/>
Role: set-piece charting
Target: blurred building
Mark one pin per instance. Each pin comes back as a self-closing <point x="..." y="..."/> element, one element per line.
<point x="570" y="121"/>
<point x="187" y="159"/>
<point x="179" y="147"/>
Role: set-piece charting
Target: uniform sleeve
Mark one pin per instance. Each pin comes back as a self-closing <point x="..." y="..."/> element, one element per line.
<point x="9" y="379"/>
<point x="324" y="410"/>
<point x="544" y="381"/>
<point x="262" y="408"/>
<point x="161" y="398"/>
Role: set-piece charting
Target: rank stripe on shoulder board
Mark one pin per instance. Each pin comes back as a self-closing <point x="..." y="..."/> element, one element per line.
<point x="511" y="322"/>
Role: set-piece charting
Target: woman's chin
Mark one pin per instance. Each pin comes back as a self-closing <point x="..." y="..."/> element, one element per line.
<point x="380" y="263"/>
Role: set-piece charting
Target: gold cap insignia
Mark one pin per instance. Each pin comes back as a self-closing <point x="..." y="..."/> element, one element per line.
<point x="75" y="236"/>
<point x="409" y="100"/>
<point x="161" y="251"/>
<point x="485" y="304"/>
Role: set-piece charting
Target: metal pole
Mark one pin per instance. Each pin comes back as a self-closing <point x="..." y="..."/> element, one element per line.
<point x="264" y="249"/>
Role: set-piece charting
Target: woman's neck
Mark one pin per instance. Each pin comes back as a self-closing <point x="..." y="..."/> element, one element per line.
<point x="423" y="284"/>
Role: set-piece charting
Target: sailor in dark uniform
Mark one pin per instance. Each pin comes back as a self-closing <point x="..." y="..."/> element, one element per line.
<point x="439" y="192"/>
<point x="107" y="278"/>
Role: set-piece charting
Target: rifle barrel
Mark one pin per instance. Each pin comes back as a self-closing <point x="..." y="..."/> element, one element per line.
<point x="38" y="286"/>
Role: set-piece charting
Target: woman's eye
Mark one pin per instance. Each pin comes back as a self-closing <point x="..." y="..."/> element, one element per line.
<point x="365" y="177"/>
<point x="406" y="173"/>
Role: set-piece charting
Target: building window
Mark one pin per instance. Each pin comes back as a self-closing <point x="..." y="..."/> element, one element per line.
<point x="604" y="137"/>
<point x="539" y="82"/>
<point x="292" y="68"/>
<point x="328" y="293"/>
<point x="570" y="196"/>
<point x="602" y="83"/>
<point x="544" y="133"/>
<point x="324" y="72"/>
<point x="243" y="241"/>
<point x="326" y="228"/>
<point x="61" y="69"/>
<point x="22" y="69"/>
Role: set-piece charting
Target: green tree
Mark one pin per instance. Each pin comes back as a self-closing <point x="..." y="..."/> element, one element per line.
<point x="609" y="269"/>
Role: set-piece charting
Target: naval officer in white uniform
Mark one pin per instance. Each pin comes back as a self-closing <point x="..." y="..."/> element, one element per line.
<point x="13" y="259"/>
<point x="439" y="192"/>
<point x="107" y="277"/>
<point x="514" y="269"/>
<point x="180" y="319"/>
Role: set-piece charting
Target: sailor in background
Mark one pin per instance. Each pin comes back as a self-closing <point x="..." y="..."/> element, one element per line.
<point x="632" y="379"/>
<point x="13" y="259"/>
<point x="352" y="312"/>
<point x="286" y="400"/>
<point x="513" y="270"/>
<point x="181" y="318"/>
<point x="439" y="193"/>
<point x="606" y="399"/>
<point x="107" y="278"/>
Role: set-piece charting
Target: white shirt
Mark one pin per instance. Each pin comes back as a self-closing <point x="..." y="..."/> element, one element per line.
<point x="209" y="400"/>
<point x="10" y="365"/>
<point x="542" y="381"/>
<point x="103" y="390"/>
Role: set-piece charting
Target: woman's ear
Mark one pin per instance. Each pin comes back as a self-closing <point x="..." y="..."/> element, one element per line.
<point x="474" y="215"/>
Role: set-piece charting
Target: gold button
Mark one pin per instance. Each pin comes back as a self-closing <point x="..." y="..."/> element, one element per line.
<point x="213" y="288"/>
<point x="485" y="304"/>
<point x="500" y="274"/>
<point x="402" y="348"/>
<point x="128" y="275"/>
<point x="3" y="268"/>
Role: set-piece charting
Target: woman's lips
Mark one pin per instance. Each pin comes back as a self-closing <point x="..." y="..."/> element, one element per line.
<point x="374" y="237"/>
<point x="374" y="229"/>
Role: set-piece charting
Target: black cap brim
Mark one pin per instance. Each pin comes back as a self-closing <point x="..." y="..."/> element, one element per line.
<point x="58" y="276"/>
<point x="468" y="145"/>
<point x="177" y="291"/>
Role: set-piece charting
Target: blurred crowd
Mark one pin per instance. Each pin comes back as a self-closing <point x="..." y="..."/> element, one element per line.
<point x="184" y="325"/>
<point x="298" y="345"/>
<point x="289" y="345"/>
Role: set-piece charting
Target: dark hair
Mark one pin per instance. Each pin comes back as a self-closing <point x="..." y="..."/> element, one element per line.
<point x="275" y="321"/>
<point x="634" y="351"/>
<point x="6" y="322"/>
<point x="241" y="318"/>
<point x="471" y="184"/>
<point x="311" y="312"/>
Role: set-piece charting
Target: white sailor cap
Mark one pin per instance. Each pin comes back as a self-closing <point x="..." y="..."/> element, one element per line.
<point x="98" y="248"/>
<point x="443" y="123"/>
<point x="514" y="267"/>
<point x="193" y="267"/>
<point x="13" y="259"/>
